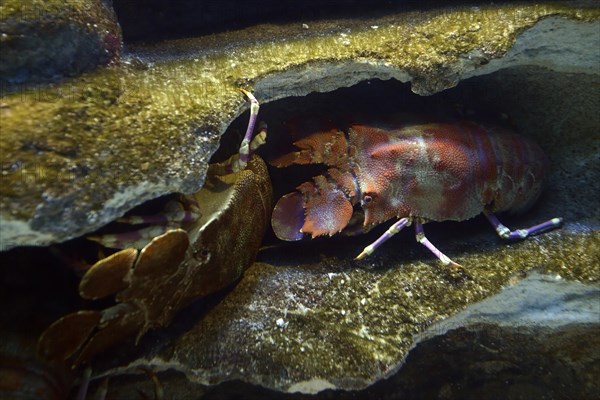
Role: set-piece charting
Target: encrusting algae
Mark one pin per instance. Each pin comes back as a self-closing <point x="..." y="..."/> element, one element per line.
<point x="88" y="149"/>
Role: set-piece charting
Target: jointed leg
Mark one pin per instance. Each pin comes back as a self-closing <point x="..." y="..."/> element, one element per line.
<point x="159" y="391"/>
<point x="397" y="227"/>
<point x="238" y="161"/>
<point x="420" y="236"/>
<point x="245" y="146"/>
<point x="506" y="233"/>
<point x="102" y="390"/>
<point x="176" y="214"/>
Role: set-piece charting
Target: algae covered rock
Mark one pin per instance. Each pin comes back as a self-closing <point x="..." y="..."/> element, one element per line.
<point x="308" y="322"/>
<point x="331" y="325"/>
<point x="77" y="155"/>
<point x="306" y="318"/>
<point x="525" y="342"/>
<point x="46" y="40"/>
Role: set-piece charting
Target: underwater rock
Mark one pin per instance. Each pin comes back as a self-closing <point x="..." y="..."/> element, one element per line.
<point x="525" y="342"/>
<point x="46" y="40"/>
<point x="330" y="325"/>
<point x="78" y="155"/>
<point x="309" y="319"/>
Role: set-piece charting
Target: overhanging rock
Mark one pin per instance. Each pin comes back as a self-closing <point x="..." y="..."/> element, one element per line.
<point x="75" y="156"/>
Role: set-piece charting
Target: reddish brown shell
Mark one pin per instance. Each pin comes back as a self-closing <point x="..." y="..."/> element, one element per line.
<point x="152" y="285"/>
<point x="436" y="171"/>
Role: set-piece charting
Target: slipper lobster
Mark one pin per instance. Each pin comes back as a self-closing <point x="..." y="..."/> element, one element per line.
<point x="197" y="245"/>
<point x="414" y="173"/>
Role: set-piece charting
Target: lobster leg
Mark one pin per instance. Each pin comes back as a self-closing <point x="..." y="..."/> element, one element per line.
<point x="177" y="212"/>
<point x="159" y="391"/>
<point x="184" y="209"/>
<point x="420" y="236"/>
<point x="238" y="161"/>
<point x="506" y="233"/>
<point x="245" y="146"/>
<point x="395" y="228"/>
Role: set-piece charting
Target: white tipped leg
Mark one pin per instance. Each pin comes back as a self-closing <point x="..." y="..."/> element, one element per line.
<point x="176" y="214"/>
<point x="395" y="228"/>
<point x="506" y="233"/>
<point x="245" y="148"/>
<point x="238" y="161"/>
<point x="421" y="238"/>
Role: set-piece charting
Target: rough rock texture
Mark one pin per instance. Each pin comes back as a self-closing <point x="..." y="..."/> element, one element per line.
<point x="47" y="40"/>
<point x="312" y="319"/>
<point x="307" y="318"/>
<point x="77" y="155"/>
<point x="524" y="342"/>
<point x="357" y="321"/>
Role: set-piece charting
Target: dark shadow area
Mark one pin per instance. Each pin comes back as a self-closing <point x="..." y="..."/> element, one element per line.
<point x="156" y="20"/>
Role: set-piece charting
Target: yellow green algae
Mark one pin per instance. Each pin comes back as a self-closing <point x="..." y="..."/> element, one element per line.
<point x="38" y="10"/>
<point x="351" y="323"/>
<point x="380" y="312"/>
<point x="83" y="141"/>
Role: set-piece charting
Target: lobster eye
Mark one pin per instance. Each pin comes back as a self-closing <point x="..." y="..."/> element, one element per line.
<point x="367" y="198"/>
